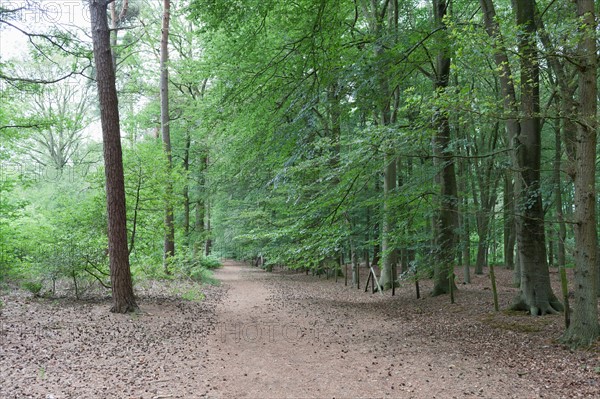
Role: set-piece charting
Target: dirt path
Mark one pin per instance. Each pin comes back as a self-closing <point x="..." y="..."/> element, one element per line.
<point x="295" y="336"/>
<point x="286" y="335"/>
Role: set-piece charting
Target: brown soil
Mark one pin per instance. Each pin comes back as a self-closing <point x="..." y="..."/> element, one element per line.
<point x="288" y="335"/>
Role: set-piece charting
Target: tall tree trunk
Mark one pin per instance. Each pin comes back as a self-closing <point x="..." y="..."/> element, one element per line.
<point x="584" y="328"/>
<point x="120" y="273"/>
<point x="447" y="219"/>
<point x="524" y="139"/>
<point x="169" y="247"/>
<point x="536" y="294"/>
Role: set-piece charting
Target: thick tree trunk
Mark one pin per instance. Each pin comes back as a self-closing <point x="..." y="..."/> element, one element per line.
<point x="169" y="247"/>
<point x="536" y="294"/>
<point x="447" y="220"/>
<point x="120" y="273"/>
<point x="584" y="328"/>
<point x="524" y="138"/>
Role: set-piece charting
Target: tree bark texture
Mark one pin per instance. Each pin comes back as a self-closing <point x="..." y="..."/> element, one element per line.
<point x="169" y="245"/>
<point x="120" y="273"/>
<point x="584" y="328"/>
<point x="524" y="138"/>
<point x="447" y="219"/>
<point x="536" y="294"/>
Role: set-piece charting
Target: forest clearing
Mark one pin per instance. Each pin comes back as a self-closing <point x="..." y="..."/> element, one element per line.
<point x="289" y="335"/>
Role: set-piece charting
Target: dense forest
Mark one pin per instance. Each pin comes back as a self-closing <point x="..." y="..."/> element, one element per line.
<point x="425" y="139"/>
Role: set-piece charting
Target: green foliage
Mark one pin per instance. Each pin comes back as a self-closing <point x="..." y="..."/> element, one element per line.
<point x="185" y="266"/>
<point x="193" y="295"/>
<point x="203" y="275"/>
<point x="210" y="262"/>
<point x="35" y="287"/>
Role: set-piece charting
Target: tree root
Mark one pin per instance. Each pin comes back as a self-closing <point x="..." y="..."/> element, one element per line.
<point x="127" y="307"/>
<point x="441" y="290"/>
<point x="553" y="306"/>
<point x="576" y="339"/>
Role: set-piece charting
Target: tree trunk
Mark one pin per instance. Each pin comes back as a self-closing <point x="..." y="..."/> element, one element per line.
<point x="199" y="229"/>
<point x="169" y="247"/>
<point x="584" y="328"/>
<point x="524" y="139"/>
<point x="387" y="276"/>
<point x="482" y="244"/>
<point x="447" y="220"/>
<point x="186" y="189"/>
<point x="536" y="294"/>
<point x="120" y="273"/>
<point x="509" y="221"/>
<point x="562" y="229"/>
<point x="463" y="220"/>
<point x="208" y="242"/>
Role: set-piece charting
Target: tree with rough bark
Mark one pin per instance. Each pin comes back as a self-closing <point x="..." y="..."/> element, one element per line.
<point x="536" y="294"/>
<point x="524" y="137"/>
<point x="446" y="221"/>
<point x="120" y="273"/>
<point x="584" y="329"/>
<point x="169" y="244"/>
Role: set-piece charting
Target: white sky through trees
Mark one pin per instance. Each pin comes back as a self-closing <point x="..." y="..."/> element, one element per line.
<point x="37" y="17"/>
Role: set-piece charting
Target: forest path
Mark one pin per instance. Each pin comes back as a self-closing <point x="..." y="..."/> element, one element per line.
<point x="277" y="337"/>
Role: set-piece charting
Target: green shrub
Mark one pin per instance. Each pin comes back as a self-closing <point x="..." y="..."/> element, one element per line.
<point x="193" y="295"/>
<point x="186" y="266"/>
<point x="32" y="286"/>
<point x="210" y="262"/>
<point x="203" y="275"/>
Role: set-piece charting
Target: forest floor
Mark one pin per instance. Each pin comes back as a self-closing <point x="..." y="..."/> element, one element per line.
<point x="289" y="335"/>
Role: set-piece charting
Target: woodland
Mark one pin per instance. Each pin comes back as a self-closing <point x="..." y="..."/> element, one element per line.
<point x="399" y="141"/>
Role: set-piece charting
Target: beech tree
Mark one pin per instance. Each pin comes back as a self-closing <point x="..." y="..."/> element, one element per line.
<point x="524" y="137"/>
<point x="446" y="221"/>
<point x="120" y="273"/>
<point x="584" y="328"/>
